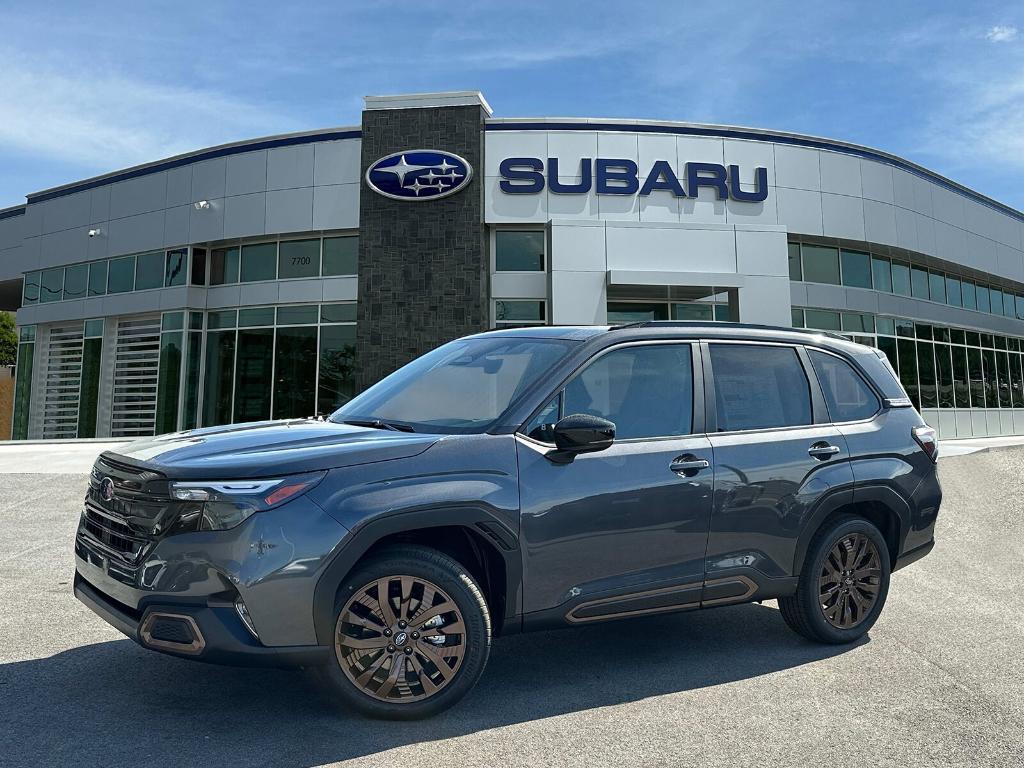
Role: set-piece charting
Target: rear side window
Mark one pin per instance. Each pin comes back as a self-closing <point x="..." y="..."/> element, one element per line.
<point x="759" y="387"/>
<point x="646" y="391"/>
<point x="847" y="395"/>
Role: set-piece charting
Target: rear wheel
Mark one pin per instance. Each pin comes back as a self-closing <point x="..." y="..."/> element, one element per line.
<point x="844" y="583"/>
<point x="412" y="634"/>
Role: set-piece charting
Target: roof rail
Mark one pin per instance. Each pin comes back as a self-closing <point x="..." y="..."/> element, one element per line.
<point x="719" y="324"/>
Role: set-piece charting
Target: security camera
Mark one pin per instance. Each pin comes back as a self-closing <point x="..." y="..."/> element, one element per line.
<point x="93" y="232"/>
<point x="201" y="205"/>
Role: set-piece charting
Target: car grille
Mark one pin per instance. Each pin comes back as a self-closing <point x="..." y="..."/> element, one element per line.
<point x="117" y="534"/>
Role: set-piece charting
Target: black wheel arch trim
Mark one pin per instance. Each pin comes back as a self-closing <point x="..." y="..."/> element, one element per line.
<point x="837" y="499"/>
<point x="474" y="518"/>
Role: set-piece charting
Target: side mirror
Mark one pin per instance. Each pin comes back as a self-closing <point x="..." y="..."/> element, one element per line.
<point x="580" y="433"/>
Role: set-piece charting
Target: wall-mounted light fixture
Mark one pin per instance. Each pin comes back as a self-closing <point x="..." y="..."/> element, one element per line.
<point x="202" y="205"/>
<point x="94" y="232"/>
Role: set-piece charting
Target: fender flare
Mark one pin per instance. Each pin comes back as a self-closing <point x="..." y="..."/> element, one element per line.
<point x="882" y="494"/>
<point x="480" y="520"/>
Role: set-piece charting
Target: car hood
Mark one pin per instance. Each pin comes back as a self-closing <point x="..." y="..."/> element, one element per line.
<point x="268" y="448"/>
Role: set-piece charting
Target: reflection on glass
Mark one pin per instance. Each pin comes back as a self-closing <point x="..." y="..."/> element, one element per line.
<point x="944" y="375"/>
<point x="23" y="390"/>
<point x="977" y="377"/>
<point x="76" y="280"/>
<point x="518" y="251"/>
<point x="337" y="367"/>
<point x="961" y="384"/>
<point x="907" y="354"/>
<point x="90" y="387"/>
<point x="220" y="369"/>
<point x="926" y="375"/>
<point x="169" y="382"/>
<point x="295" y="372"/>
<point x="253" y="374"/>
<point x="190" y="402"/>
<point x="98" y="278"/>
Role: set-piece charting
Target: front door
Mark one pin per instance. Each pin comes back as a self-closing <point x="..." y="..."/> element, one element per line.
<point x="622" y="531"/>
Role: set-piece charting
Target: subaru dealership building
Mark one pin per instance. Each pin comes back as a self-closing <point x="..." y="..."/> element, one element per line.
<point x="274" y="278"/>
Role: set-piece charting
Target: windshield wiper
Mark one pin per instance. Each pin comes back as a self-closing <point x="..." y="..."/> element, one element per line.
<point x="378" y="424"/>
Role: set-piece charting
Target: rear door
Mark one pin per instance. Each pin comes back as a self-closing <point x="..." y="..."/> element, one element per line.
<point x="622" y="531"/>
<point x="775" y="456"/>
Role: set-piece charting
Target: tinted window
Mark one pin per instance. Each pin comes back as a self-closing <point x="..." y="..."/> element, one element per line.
<point x="121" y="275"/>
<point x="149" y="271"/>
<point x="75" y="281"/>
<point x="848" y="396"/>
<point x="821" y="264"/>
<point x="518" y="251"/>
<point x="341" y="255"/>
<point x="759" y="387"/>
<point x="881" y="274"/>
<point x="259" y="262"/>
<point x="223" y="266"/>
<point x="174" y="272"/>
<point x="98" y="278"/>
<point x="298" y="258"/>
<point x="646" y="391"/>
<point x="856" y="269"/>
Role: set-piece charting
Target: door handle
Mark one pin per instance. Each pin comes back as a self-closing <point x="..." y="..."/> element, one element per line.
<point x="823" y="451"/>
<point x="688" y="465"/>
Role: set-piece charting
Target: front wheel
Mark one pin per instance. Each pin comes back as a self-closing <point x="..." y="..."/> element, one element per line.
<point x="844" y="583"/>
<point x="412" y="634"/>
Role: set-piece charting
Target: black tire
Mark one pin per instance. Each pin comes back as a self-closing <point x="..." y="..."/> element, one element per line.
<point x="427" y="568"/>
<point x="805" y="611"/>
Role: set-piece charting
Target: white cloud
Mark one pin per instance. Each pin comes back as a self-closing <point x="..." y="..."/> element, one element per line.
<point x="105" y="121"/>
<point x="1002" y="34"/>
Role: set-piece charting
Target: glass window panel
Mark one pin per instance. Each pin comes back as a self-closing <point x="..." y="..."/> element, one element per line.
<point x="969" y="294"/>
<point x="1020" y="307"/>
<point x="93" y="328"/>
<point x="885" y="325"/>
<point x="795" y="272"/>
<point x="259" y="262"/>
<point x="518" y="251"/>
<point x="176" y="266"/>
<point x="1009" y="306"/>
<point x="937" y="287"/>
<point x="907" y="353"/>
<point x="51" y="285"/>
<point x="220" y="373"/>
<point x="996" y="298"/>
<point x="1003" y="373"/>
<point x="822" y="320"/>
<point x="337" y="384"/>
<point x="972" y="338"/>
<point x="956" y="335"/>
<point x="27" y="333"/>
<point x="248" y="318"/>
<point x="953" y="292"/>
<point x="198" y="273"/>
<point x="98" y="278"/>
<point x="23" y="390"/>
<point x="30" y="291"/>
<point x="847" y="395"/>
<point x="692" y="311"/>
<point x="193" y="360"/>
<point x="941" y="334"/>
<point x="222" y="318"/>
<point x="723" y="314"/>
<point x="301" y="314"/>
<point x="646" y="391"/>
<point x="172" y="321"/>
<point x="905" y="328"/>
<point x="857" y="322"/>
<point x="169" y="387"/>
<point x="856" y="269"/>
<point x="506" y="311"/>
<point x="919" y="282"/>
<point x="821" y="264"/>
<point x="987" y="340"/>
<point x="621" y="312"/>
<point x="901" y="278"/>
<point x="338" y="313"/>
<point x="341" y="255"/>
<point x="121" y="275"/>
<point x="295" y="360"/>
<point x="149" y="270"/>
<point x="195" y="321"/>
<point x="298" y="258"/>
<point x="758" y="387"/>
<point x="923" y="331"/>
<point x="253" y="374"/>
<point x="983" y="299"/>
<point x="1000" y="342"/>
<point x="961" y="384"/>
<point x="223" y="266"/>
<point x="881" y="274"/>
<point x="976" y="377"/>
<point x="1016" y="381"/>
<point x="89" y="393"/>
<point x="797" y="318"/>
<point x="76" y="281"/>
<point x="988" y="363"/>
<point x="926" y="374"/>
<point x="944" y="375"/>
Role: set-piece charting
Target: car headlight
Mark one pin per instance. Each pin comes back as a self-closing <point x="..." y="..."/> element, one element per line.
<point x="227" y="503"/>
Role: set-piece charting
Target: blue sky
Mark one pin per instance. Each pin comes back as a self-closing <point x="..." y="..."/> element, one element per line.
<point x="87" y="88"/>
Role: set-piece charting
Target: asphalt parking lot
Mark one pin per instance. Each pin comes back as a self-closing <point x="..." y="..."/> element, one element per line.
<point x="939" y="681"/>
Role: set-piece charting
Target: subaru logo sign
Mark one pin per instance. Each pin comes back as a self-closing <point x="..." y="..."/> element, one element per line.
<point x="107" y="489"/>
<point x="419" y="174"/>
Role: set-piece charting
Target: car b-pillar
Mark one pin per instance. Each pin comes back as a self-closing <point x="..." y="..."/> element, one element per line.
<point x="423" y="264"/>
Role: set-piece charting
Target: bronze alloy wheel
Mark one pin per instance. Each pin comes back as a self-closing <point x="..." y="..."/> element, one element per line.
<point x="849" y="582"/>
<point x="400" y="639"/>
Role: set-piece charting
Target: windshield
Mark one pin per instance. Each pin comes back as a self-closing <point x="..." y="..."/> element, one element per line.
<point x="463" y="386"/>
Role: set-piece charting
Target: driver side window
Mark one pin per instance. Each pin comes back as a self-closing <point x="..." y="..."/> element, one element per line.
<point x="646" y="391"/>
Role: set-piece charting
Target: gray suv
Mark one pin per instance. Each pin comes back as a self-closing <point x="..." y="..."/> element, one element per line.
<point x="519" y="480"/>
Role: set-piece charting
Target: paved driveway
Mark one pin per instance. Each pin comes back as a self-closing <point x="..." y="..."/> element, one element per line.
<point x="940" y="680"/>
